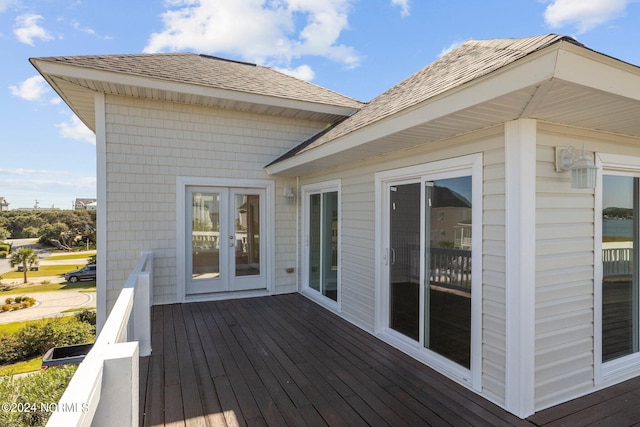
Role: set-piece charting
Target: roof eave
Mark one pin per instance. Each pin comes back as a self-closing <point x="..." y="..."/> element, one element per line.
<point x="48" y="68"/>
<point x="563" y="61"/>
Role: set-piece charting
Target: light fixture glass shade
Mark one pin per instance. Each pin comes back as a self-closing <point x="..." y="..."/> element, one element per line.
<point x="583" y="174"/>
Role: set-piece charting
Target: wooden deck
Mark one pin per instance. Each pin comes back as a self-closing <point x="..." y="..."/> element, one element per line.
<point x="286" y="361"/>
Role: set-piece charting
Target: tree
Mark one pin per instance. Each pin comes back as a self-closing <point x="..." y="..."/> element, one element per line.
<point x="25" y="256"/>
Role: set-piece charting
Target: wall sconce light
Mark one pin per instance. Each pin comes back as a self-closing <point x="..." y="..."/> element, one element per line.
<point x="289" y="195"/>
<point x="583" y="170"/>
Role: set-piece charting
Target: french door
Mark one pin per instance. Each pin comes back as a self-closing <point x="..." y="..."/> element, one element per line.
<point x="227" y="248"/>
<point x="429" y="260"/>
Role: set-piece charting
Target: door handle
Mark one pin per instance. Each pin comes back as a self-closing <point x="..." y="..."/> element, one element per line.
<point x="393" y="256"/>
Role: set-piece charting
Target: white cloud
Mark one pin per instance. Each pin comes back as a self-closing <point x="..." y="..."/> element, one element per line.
<point x="266" y="32"/>
<point x="21" y="171"/>
<point x="403" y="5"/>
<point x="32" y="89"/>
<point x="5" y="4"/>
<point x="76" y="26"/>
<point x="449" y="48"/>
<point x="27" y="29"/>
<point x="303" y="72"/>
<point x="584" y="14"/>
<point x="75" y="129"/>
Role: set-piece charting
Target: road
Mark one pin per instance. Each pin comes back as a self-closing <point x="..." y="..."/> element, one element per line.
<point x="17" y="243"/>
<point x="49" y="304"/>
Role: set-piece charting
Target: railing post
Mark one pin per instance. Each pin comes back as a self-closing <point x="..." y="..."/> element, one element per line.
<point x="142" y="314"/>
<point x="119" y="399"/>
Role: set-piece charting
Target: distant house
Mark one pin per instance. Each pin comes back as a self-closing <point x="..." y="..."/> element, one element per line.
<point x="85" y="204"/>
<point x="246" y="182"/>
<point x="4" y="205"/>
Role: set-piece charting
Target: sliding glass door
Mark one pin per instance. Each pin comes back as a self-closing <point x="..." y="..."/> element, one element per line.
<point x="321" y="260"/>
<point x="428" y="258"/>
<point x="620" y="293"/>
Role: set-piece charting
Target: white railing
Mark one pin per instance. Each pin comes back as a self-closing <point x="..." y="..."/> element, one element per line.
<point x="104" y="389"/>
<point x="617" y="261"/>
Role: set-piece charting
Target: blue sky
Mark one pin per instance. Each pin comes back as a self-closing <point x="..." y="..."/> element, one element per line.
<point x="356" y="47"/>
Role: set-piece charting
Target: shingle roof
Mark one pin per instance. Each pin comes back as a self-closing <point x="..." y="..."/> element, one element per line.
<point x="473" y="59"/>
<point x="212" y="72"/>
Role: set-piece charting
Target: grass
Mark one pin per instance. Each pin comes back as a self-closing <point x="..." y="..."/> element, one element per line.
<point x="22" y="367"/>
<point x="88" y="286"/>
<point x="12" y="328"/>
<point x="76" y="309"/>
<point x="70" y="256"/>
<point x="44" y="271"/>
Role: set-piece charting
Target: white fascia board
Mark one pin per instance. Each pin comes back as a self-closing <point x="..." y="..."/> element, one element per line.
<point x="597" y="71"/>
<point x="65" y="70"/>
<point x="533" y="70"/>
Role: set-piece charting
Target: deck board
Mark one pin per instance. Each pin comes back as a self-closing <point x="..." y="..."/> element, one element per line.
<point x="286" y="361"/>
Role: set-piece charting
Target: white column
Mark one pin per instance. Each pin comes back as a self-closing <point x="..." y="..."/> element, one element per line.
<point x="520" y="245"/>
<point x="101" y="214"/>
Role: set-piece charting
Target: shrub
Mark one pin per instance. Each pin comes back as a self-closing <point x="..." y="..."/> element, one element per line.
<point x="38" y="337"/>
<point x="46" y="387"/>
<point x="17" y="303"/>
<point x="3" y="254"/>
<point x="87" y="316"/>
<point x="10" y="349"/>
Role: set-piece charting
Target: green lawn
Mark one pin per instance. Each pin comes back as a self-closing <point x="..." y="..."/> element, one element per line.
<point x="65" y="256"/>
<point x="88" y="286"/>
<point x="44" y="271"/>
<point x="21" y="367"/>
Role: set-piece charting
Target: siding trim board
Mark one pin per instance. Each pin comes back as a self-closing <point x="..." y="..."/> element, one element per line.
<point x="520" y="185"/>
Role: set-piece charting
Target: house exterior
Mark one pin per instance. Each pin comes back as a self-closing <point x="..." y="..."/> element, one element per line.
<point x="436" y="216"/>
<point x="85" y="204"/>
<point x="4" y="205"/>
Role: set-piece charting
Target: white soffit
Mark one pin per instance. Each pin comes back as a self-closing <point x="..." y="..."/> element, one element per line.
<point x="564" y="84"/>
<point x="110" y="82"/>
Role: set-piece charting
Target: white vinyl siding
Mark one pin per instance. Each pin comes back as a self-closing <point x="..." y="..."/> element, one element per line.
<point x="358" y="238"/>
<point x="493" y="291"/>
<point x="564" y="281"/>
<point x="149" y="143"/>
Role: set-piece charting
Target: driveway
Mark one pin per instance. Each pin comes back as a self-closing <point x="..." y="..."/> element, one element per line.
<point x="49" y="304"/>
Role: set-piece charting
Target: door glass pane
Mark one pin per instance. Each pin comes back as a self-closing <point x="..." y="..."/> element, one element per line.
<point x="404" y="259"/>
<point x="323" y="243"/>
<point x="330" y="245"/>
<point x="314" y="241"/>
<point x="205" y="235"/>
<point x="247" y="234"/>
<point x="620" y="271"/>
<point x="448" y="268"/>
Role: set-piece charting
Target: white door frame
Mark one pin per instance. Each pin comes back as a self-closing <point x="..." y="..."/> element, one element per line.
<point x="623" y="368"/>
<point x="306" y="191"/>
<point x="465" y="165"/>
<point x="267" y="234"/>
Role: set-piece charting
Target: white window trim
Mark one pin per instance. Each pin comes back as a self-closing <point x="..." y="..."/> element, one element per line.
<point x="182" y="182"/>
<point x="460" y="166"/>
<point x="618" y="370"/>
<point x="307" y="190"/>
